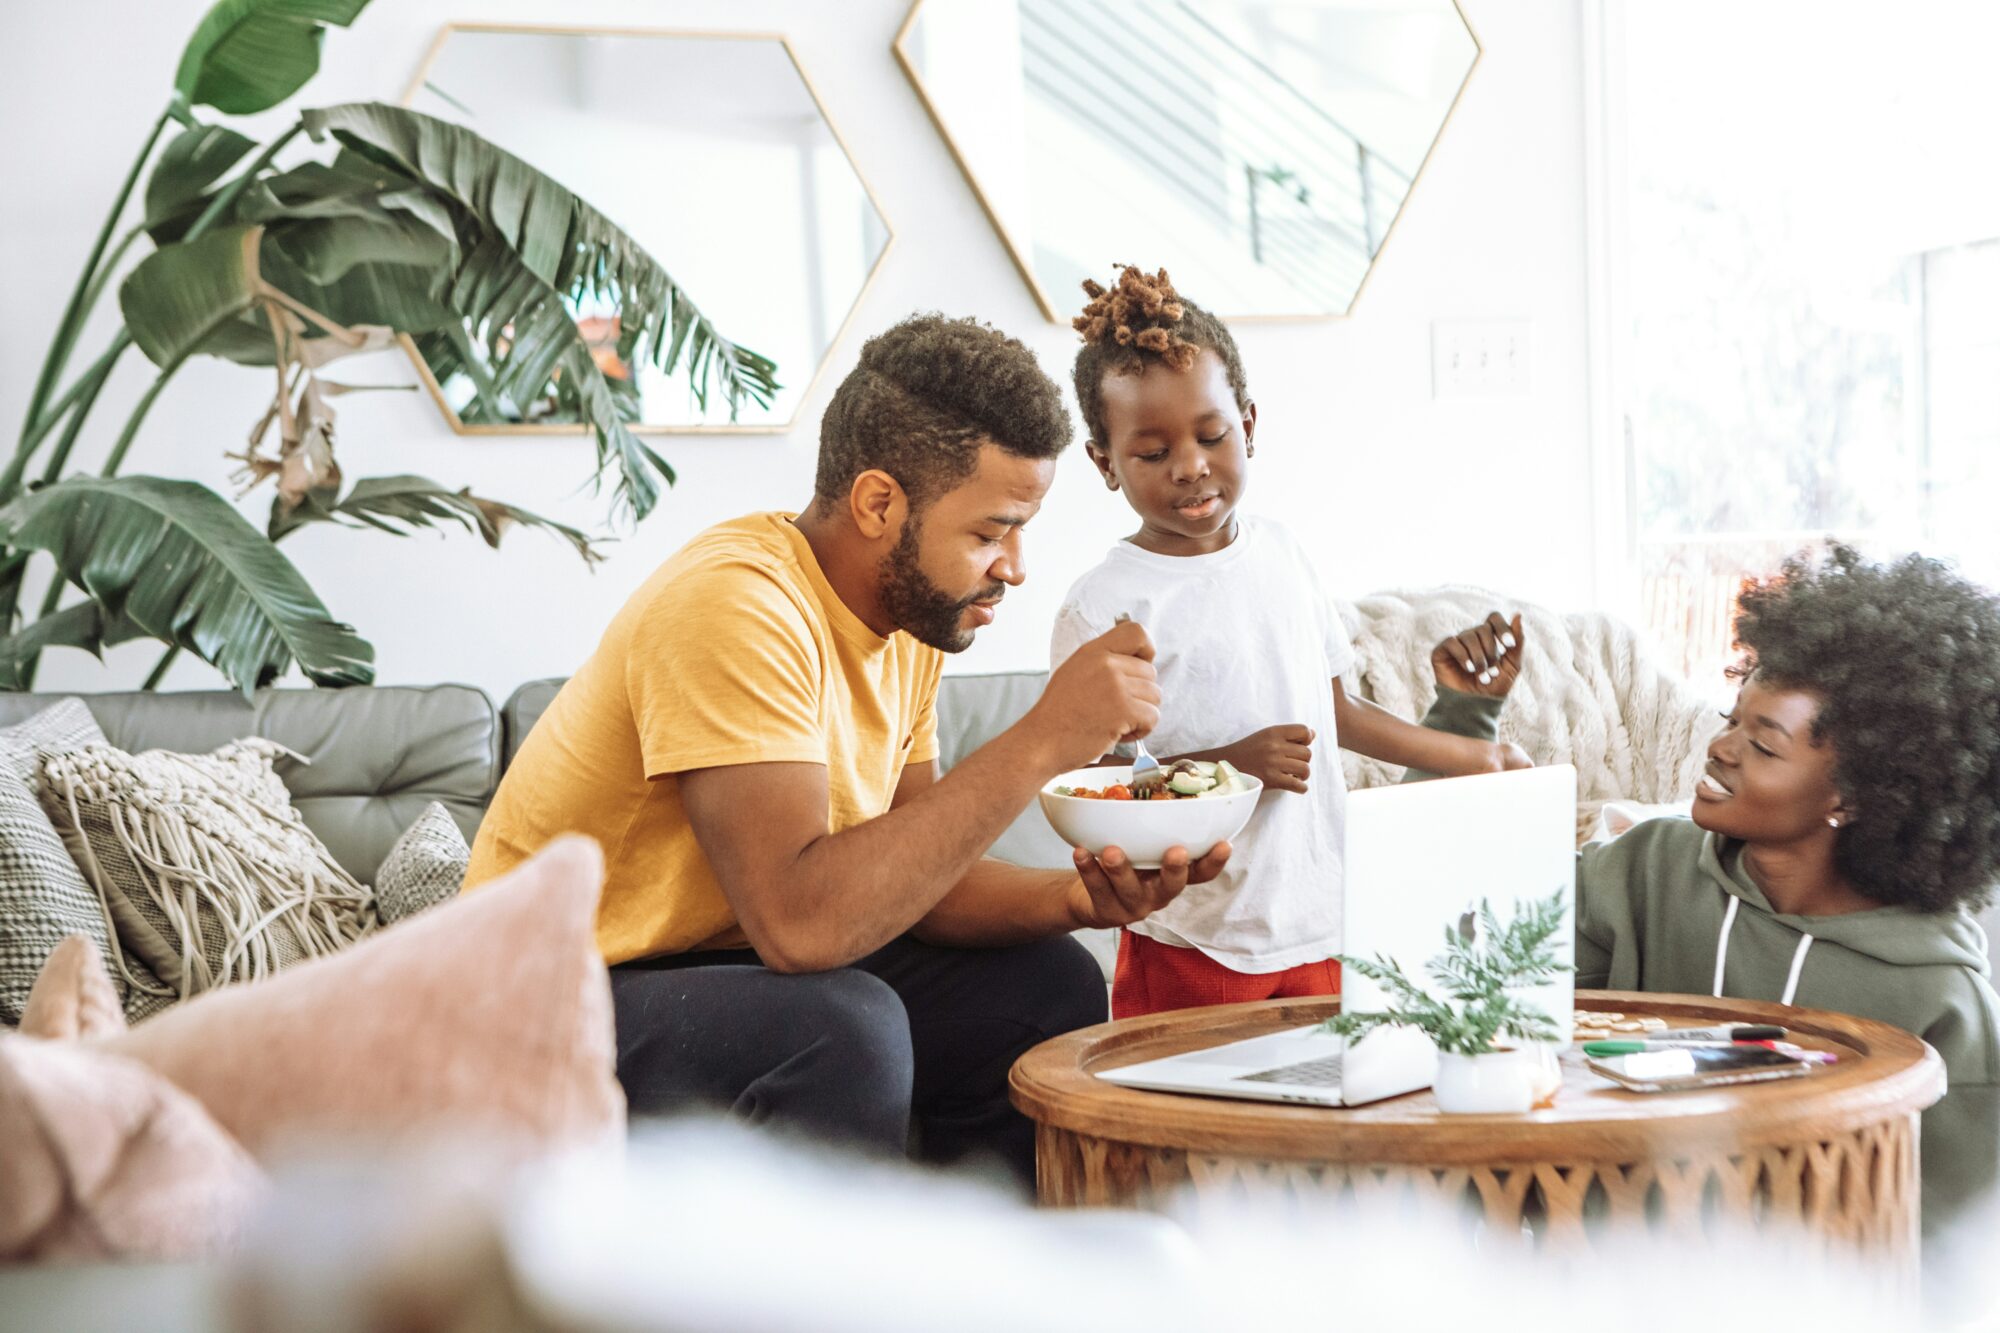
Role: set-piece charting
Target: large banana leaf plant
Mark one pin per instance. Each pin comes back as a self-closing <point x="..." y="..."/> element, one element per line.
<point x="382" y="223"/>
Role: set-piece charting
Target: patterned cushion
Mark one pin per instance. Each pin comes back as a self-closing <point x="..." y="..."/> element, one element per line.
<point x="43" y="896"/>
<point x="208" y="872"/>
<point x="424" y="868"/>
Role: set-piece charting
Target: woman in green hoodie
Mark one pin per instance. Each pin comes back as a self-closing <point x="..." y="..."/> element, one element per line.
<point x="1847" y="825"/>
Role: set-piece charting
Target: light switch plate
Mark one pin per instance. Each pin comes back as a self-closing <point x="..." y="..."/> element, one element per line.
<point x="1481" y="358"/>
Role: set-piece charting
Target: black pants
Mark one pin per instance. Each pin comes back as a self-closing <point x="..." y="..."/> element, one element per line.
<point x="913" y="1031"/>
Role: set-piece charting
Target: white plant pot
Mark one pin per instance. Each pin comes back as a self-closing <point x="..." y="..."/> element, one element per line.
<point x="1496" y="1083"/>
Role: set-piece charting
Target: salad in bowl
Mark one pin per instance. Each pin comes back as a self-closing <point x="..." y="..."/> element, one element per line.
<point x="1190" y="803"/>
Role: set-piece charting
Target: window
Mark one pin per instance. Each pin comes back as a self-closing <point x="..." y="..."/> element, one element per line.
<point x="1801" y="294"/>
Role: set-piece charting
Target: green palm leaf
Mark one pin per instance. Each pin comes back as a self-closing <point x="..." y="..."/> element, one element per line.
<point x="564" y="242"/>
<point x="180" y="297"/>
<point x="326" y="250"/>
<point x="393" y="295"/>
<point x="403" y="504"/>
<point x="177" y="560"/>
<point x="206" y="295"/>
<point x="496" y="290"/>
<point x="348" y="187"/>
<point x="249" y="55"/>
<point x="193" y="161"/>
<point x="85" y="626"/>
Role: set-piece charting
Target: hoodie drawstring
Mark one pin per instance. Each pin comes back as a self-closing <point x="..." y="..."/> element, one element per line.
<point x="1722" y="941"/>
<point x="1798" y="965"/>
<point x="1722" y="953"/>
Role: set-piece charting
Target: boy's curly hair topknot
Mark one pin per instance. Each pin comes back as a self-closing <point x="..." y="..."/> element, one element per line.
<point x="1140" y="320"/>
<point x="1905" y="659"/>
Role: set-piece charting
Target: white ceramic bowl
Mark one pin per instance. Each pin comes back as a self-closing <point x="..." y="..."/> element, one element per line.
<point x="1144" y="830"/>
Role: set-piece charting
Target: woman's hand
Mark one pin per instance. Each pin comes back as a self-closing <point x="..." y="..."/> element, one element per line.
<point x="1484" y="660"/>
<point x="1279" y="757"/>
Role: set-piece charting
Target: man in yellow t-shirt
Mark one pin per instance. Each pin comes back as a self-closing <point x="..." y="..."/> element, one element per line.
<point x="800" y="919"/>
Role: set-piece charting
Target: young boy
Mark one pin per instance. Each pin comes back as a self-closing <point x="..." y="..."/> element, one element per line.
<point x="1250" y="655"/>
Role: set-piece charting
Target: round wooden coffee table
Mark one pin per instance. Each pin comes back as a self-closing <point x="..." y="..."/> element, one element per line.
<point x="1831" y="1156"/>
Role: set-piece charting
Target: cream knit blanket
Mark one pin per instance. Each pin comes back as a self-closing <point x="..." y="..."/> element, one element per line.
<point x="1591" y="694"/>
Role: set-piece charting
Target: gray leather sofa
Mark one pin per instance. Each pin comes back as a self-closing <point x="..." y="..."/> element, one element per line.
<point x="372" y="758"/>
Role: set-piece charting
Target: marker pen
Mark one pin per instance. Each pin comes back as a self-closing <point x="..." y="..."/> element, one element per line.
<point x="1722" y="1032"/>
<point x="1601" y="1049"/>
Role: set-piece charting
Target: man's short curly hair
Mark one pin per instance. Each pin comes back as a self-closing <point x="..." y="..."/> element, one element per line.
<point x="1141" y="321"/>
<point x="1905" y="659"/>
<point x="926" y="395"/>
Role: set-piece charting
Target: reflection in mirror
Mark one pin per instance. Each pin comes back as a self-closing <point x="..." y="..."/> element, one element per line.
<point x="712" y="152"/>
<point x="1259" y="149"/>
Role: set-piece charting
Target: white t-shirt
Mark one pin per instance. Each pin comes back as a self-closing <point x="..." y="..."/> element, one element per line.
<point x="1246" y="639"/>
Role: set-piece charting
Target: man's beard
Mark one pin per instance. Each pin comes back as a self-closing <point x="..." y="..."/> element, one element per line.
<point x="918" y="606"/>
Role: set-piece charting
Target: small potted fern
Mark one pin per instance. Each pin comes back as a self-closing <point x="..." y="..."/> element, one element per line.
<point x="1493" y="1055"/>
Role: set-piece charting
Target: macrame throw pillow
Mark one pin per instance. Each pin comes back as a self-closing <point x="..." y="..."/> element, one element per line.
<point x="208" y="872"/>
<point x="424" y="868"/>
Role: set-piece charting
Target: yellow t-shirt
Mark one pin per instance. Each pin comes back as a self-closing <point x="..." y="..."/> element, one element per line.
<point x="736" y="651"/>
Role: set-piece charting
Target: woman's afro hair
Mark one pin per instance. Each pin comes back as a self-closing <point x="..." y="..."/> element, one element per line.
<point x="1905" y="660"/>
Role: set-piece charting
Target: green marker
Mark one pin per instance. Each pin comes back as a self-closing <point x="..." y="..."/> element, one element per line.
<point x="1598" y="1050"/>
<point x="1603" y="1048"/>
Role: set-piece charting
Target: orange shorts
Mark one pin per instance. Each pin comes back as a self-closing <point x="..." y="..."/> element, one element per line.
<point x="1153" y="977"/>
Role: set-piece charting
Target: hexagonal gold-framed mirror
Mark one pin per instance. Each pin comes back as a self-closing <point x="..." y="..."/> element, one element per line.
<point x="1261" y="150"/>
<point x="714" y="151"/>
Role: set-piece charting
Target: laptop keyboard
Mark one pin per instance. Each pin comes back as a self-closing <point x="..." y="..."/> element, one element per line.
<point x="1321" y="1073"/>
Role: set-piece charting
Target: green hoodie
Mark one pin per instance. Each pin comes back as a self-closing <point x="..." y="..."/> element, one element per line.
<point x="1669" y="907"/>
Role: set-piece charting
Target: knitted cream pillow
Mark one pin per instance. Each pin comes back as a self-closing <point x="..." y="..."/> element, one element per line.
<point x="208" y="872"/>
<point x="424" y="868"/>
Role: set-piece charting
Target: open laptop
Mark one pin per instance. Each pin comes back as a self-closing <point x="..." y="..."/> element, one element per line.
<point x="1420" y="857"/>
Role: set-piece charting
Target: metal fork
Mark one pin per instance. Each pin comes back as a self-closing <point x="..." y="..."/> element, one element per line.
<point x="1145" y="769"/>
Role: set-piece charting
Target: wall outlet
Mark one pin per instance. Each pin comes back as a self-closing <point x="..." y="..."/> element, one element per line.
<point x="1481" y="358"/>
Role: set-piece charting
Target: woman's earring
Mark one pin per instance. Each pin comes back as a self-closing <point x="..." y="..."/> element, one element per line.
<point x="1831" y="822"/>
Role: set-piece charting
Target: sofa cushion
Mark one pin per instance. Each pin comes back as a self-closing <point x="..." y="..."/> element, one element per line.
<point x="972" y="710"/>
<point x="424" y="868"/>
<point x="375" y="756"/>
<point x="524" y="707"/>
<point x="43" y="896"/>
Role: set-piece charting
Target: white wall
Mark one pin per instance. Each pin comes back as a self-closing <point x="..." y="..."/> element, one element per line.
<point x="1387" y="487"/>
